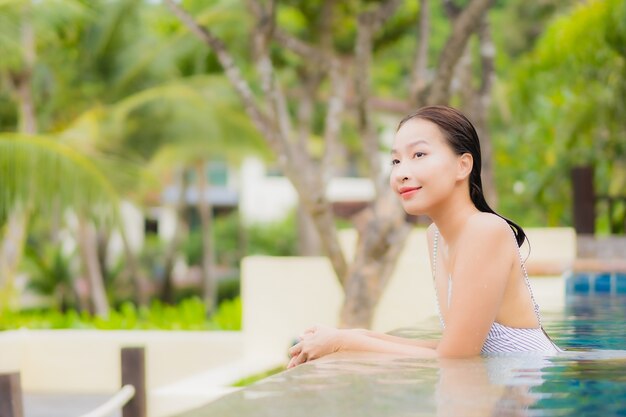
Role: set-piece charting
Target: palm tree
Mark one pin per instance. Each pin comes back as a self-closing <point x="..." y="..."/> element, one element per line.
<point x="43" y="174"/>
<point x="68" y="64"/>
<point x="106" y="77"/>
<point x="207" y="124"/>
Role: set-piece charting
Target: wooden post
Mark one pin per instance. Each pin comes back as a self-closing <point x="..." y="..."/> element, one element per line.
<point x="11" y="395"/>
<point x="134" y="373"/>
<point x="584" y="200"/>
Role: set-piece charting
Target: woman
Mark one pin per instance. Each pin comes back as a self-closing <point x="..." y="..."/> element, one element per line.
<point x="484" y="299"/>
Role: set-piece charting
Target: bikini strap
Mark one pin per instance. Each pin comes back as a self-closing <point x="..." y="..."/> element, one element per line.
<point x="527" y="281"/>
<point x="532" y="296"/>
<point x="434" y="268"/>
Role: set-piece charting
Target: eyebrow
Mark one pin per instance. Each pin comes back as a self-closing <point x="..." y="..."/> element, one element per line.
<point x="410" y="145"/>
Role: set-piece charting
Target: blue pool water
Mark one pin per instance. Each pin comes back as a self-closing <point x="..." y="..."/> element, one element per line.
<point x="589" y="379"/>
<point x="585" y="283"/>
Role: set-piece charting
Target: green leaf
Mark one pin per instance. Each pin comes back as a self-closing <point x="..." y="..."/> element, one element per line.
<point x="37" y="171"/>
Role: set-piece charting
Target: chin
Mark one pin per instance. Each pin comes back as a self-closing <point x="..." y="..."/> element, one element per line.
<point x="413" y="210"/>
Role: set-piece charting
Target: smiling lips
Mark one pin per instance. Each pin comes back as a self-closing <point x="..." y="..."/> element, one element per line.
<point x="408" y="192"/>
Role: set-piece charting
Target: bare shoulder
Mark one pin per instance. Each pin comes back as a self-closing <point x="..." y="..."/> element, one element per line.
<point x="487" y="228"/>
<point x="485" y="249"/>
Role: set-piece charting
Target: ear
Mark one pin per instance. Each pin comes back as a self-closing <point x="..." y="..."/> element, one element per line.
<point x="465" y="165"/>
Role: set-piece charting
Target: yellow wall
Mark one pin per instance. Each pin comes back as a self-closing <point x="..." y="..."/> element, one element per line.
<point x="89" y="360"/>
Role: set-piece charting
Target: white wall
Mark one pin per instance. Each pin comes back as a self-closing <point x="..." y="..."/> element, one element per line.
<point x="266" y="198"/>
<point x="263" y="198"/>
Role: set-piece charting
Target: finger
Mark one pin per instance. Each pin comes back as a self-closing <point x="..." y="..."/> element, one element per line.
<point x="295" y="350"/>
<point x="300" y="359"/>
<point x="311" y="329"/>
<point x="291" y="363"/>
<point x="309" y="332"/>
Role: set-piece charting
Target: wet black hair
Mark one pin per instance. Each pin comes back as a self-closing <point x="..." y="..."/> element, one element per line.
<point x="462" y="138"/>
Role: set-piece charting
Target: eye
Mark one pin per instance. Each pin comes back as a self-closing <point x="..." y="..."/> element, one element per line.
<point x="395" y="162"/>
<point x="418" y="154"/>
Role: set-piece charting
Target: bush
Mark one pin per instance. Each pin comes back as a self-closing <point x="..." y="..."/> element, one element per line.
<point x="187" y="315"/>
<point x="228" y="289"/>
<point x="274" y="239"/>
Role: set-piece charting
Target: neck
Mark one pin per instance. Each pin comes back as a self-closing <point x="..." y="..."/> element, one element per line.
<point x="451" y="216"/>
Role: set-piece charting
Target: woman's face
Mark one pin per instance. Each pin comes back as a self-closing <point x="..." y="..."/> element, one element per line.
<point x="424" y="168"/>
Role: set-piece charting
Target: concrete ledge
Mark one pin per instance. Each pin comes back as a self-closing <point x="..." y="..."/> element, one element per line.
<point x="88" y="361"/>
<point x="206" y="386"/>
<point x="599" y="265"/>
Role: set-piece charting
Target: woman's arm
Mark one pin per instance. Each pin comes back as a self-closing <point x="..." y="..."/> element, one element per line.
<point x="483" y="263"/>
<point x="485" y="255"/>
<point x="384" y="343"/>
<point x="428" y="343"/>
<point x="319" y="341"/>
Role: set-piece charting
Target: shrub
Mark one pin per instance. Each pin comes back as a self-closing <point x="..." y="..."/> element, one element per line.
<point x="187" y="315"/>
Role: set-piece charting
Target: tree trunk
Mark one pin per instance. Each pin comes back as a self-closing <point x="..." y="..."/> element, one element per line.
<point x="420" y="65"/>
<point x="140" y="281"/>
<point x="382" y="233"/>
<point x="22" y="80"/>
<point x="80" y="290"/>
<point x="487" y="58"/>
<point x="10" y="255"/>
<point x="205" y="210"/>
<point x="464" y="25"/>
<point x="296" y="162"/>
<point x="88" y="248"/>
<point x="12" y="244"/>
<point x="242" y="238"/>
<point x="476" y="103"/>
<point x="167" y="290"/>
<point x="486" y="145"/>
<point x="308" y="238"/>
<point x="383" y="229"/>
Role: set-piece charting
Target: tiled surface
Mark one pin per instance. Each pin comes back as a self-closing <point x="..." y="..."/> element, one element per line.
<point x="596" y="283"/>
<point x="602" y="283"/>
<point x="621" y="283"/>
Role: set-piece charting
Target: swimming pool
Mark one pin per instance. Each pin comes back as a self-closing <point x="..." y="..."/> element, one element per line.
<point x="587" y="380"/>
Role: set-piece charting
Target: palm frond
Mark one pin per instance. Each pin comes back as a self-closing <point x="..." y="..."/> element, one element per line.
<point x="37" y="171"/>
<point x="202" y="109"/>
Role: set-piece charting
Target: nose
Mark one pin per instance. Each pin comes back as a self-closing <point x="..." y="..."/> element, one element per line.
<point x="399" y="175"/>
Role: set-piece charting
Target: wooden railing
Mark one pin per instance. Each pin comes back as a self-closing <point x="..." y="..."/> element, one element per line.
<point x="131" y="398"/>
<point x="118" y="401"/>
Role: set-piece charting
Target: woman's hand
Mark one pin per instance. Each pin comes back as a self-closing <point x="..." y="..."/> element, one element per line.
<point x="315" y="342"/>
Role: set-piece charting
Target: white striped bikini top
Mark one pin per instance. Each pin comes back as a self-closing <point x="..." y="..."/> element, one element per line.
<point x="503" y="338"/>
